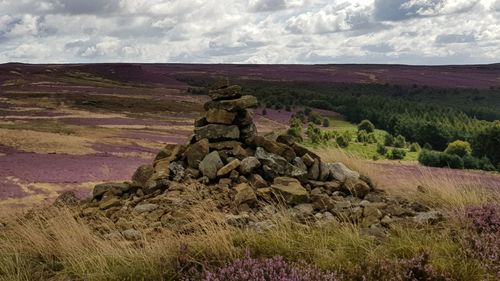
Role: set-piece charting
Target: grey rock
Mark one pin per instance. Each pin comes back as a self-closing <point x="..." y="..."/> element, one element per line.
<point x="144" y="208"/>
<point x="249" y="165"/>
<point x="290" y="190"/>
<point x="241" y="103"/>
<point x="110" y="188"/>
<point x="196" y="152"/>
<point x="177" y="170"/>
<point x="229" y="92"/>
<point x="431" y="217"/>
<point x="314" y="170"/>
<point x="215" y="132"/>
<point x="340" y="172"/>
<point x="210" y="165"/>
<point x="220" y="116"/>
<point x="131" y="234"/>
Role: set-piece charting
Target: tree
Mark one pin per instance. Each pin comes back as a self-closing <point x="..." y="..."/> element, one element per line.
<point x="487" y="143"/>
<point x="288" y="108"/>
<point x="326" y="122"/>
<point x="367" y="126"/>
<point x="400" y="141"/>
<point x="460" y="148"/>
<point x="362" y="136"/>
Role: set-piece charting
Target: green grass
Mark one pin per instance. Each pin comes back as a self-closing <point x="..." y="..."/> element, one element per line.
<point x="365" y="150"/>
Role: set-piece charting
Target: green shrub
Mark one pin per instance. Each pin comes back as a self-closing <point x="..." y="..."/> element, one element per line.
<point x="415" y="147"/>
<point x="362" y="136"/>
<point x="396" y="154"/>
<point x="367" y="126"/>
<point x="460" y="148"/>
<point x="388" y="140"/>
<point x="381" y="149"/>
<point x="452" y="161"/>
<point x="326" y="122"/>
<point x="371" y="138"/>
<point x="342" y="141"/>
<point x="400" y="141"/>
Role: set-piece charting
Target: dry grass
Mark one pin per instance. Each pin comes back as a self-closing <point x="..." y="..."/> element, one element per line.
<point x="440" y="188"/>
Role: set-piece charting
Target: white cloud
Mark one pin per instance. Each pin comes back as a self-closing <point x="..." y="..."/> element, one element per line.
<point x="251" y="31"/>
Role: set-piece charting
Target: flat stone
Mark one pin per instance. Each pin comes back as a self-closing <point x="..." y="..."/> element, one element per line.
<point x="290" y="190"/>
<point x="161" y="169"/>
<point x="113" y="188"/>
<point x="170" y="152"/>
<point x="109" y="202"/>
<point x="249" y="165"/>
<point x="275" y="148"/>
<point x="241" y="103"/>
<point x="215" y="131"/>
<point x="228" y="168"/>
<point x="230" y="92"/>
<point x="244" y="194"/>
<point x="307" y="159"/>
<point x="196" y="152"/>
<point x="220" y="116"/>
<point x="211" y="164"/>
<point x="144" y="208"/>
<point x="340" y="172"/>
<point x="224" y="145"/>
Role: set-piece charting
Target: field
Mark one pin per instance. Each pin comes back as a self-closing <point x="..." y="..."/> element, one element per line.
<point x="70" y="127"/>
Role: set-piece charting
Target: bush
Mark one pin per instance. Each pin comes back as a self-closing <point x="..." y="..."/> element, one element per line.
<point x="400" y="141"/>
<point x="275" y="268"/>
<point x="396" y="154"/>
<point x="371" y="138"/>
<point x="430" y="158"/>
<point x="452" y="161"/>
<point x="342" y="141"/>
<point x="460" y="148"/>
<point x="427" y="146"/>
<point x="381" y="149"/>
<point x="314" y="133"/>
<point x="388" y="140"/>
<point x="326" y="122"/>
<point x="288" y="108"/>
<point x="415" y="147"/>
<point x="362" y="136"/>
<point x="367" y="126"/>
<point x="264" y="111"/>
<point x="314" y="118"/>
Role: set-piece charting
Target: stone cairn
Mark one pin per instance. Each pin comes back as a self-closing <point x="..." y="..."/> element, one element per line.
<point x="240" y="170"/>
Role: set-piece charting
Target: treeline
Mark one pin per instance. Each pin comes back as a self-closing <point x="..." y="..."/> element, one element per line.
<point x="430" y="117"/>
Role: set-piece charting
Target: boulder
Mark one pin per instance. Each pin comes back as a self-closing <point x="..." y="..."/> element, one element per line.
<point x="170" y="152"/>
<point x="224" y="93"/>
<point x="275" y="162"/>
<point x="110" y="188"/>
<point x="324" y="171"/>
<point x="249" y="165"/>
<point x="131" y="234"/>
<point x="257" y="181"/>
<point x="286" y="139"/>
<point x="248" y="134"/>
<point x="275" y="147"/>
<point x="161" y="169"/>
<point x="142" y="174"/>
<point x="200" y="122"/>
<point x="290" y="190"/>
<point x="67" y="198"/>
<point x="220" y="116"/>
<point x="196" y="152"/>
<point x="224" y="145"/>
<point x="356" y="187"/>
<point x="241" y="103"/>
<point x="301" y="151"/>
<point x="109" y="202"/>
<point x="340" y="172"/>
<point x="307" y="159"/>
<point x="215" y="132"/>
<point x="228" y="168"/>
<point x="244" y="194"/>
<point x="313" y="173"/>
<point x="177" y="170"/>
<point x="244" y="118"/>
<point x="297" y="162"/>
<point x="211" y="164"/>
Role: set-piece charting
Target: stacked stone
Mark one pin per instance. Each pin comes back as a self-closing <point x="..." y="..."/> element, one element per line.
<point x="225" y="150"/>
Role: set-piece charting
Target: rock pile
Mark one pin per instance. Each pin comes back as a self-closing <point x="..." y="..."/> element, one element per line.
<point x="228" y="165"/>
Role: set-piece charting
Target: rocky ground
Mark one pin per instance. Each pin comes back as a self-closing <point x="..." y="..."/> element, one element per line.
<point x="227" y="167"/>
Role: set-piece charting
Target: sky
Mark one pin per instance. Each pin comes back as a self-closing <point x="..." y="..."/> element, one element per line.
<point x="250" y="31"/>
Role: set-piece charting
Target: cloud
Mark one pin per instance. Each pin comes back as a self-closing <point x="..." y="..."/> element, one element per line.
<point x="250" y="31"/>
<point x="455" y="38"/>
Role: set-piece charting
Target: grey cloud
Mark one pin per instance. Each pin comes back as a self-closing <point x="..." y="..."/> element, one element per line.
<point x="455" y="38"/>
<point x="94" y="7"/>
<point x="396" y="10"/>
<point x="268" y="5"/>
<point x="496" y="6"/>
<point x="378" y="48"/>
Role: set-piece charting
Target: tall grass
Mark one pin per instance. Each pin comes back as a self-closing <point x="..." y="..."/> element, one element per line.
<point x="55" y="244"/>
<point x="440" y="188"/>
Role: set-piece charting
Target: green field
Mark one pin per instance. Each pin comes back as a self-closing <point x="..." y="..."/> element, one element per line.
<point x="365" y="150"/>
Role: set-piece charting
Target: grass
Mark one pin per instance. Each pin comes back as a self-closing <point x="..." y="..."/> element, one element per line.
<point x="46" y="126"/>
<point x="54" y="244"/>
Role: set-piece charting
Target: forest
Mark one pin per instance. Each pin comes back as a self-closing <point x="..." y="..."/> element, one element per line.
<point x="431" y="117"/>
